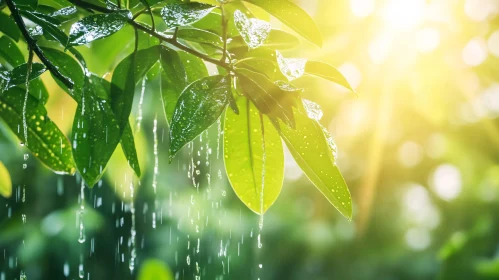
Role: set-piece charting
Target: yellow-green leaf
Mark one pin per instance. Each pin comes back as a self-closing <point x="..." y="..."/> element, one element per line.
<point x="245" y="155"/>
<point x="45" y="140"/>
<point x="312" y="152"/>
<point x="5" y="182"/>
<point x="153" y="269"/>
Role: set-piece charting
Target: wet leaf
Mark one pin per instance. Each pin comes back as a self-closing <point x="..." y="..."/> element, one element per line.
<point x="267" y="67"/>
<point x="173" y="80"/>
<point x="293" y="16"/>
<point x="195" y="68"/>
<point x="65" y="14"/>
<point x="200" y="36"/>
<point x="5" y="182"/>
<point x="68" y="67"/>
<point x="292" y="68"/>
<point x="96" y="27"/>
<point x="311" y="151"/>
<point x="17" y="76"/>
<point x="199" y="106"/>
<point x="328" y="72"/>
<point x="45" y="140"/>
<point x="267" y="96"/>
<point x="102" y="90"/>
<point x="50" y="29"/>
<point x="253" y="31"/>
<point x="124" y="81"/>
<point x="96" y="134"/>
<point x="276" y="39"/>
<point x="10" y="52"/>
<point x="9" y="27"/>
<point x="245" y="154"/>
<point x="154" y="269"/>
<point x="181" y="14"/>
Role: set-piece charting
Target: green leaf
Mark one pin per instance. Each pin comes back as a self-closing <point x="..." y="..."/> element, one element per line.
<point x="65" y="14"/>
<point x="267" y="67"/>
<point x="47" y="25"/>
<point x="311" y="151"/>
<point x="292" y="68"/>
<point x="102" y="90"/>
<point x="17" y="76"/>
<point x="181" y="14"/>
<point x="173" y="80"/>
<point x="68" y="67"/>
<point x="96" y="134"/>
<point x="267" y="96"/>
<point x="10" y="52"/>
<point x="246" y="153"/>
<point x="5" y="182"/>
<point x="31" y="4"/>
<point x="195" y="68"/>
<point x="153" y="269"/>
<point x="38" y="90"/>
<point x="199" y="106"/>
<point x="9" y="27"/>
<point x="253" y="31"/>
<point x="128" y="147"/>
<point x="45" y="140"/>
<point x="276" y="39"/>
<point x="293" y="16"/>
<point x="96" y="27"/>
<point x="328" y="72"/>
<point x="124" y="81"/>
<point x="200" y="36"/>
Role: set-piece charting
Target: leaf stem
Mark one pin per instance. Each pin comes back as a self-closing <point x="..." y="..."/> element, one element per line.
<point x="224" y="32"/>
<point x="34" y="46"/>
<point x="145" y="3"/>
<point x="152" y="32"/>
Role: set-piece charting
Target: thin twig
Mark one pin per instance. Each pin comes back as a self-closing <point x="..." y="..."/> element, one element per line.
<point x="34" y="46"/>
<point x="224" y="32"/>
<point x="145" y="3"/>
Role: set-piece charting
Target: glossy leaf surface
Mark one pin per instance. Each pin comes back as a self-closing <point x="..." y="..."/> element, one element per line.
<point x="253" y="153"/>
<point x="45" y="140"/>
<point x="96" y="27"/>
<point x="311" y="151"/>
<point x="173" y="80"/>
<point x="199" y="106"/>
<point x="328" y="72"/>
<point x="181" y="14"/>
<point x="253" y="31"/>
<point x="96" y="134"/>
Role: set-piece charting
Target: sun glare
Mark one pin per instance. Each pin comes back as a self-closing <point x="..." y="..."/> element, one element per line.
<point x="403" y="16"/>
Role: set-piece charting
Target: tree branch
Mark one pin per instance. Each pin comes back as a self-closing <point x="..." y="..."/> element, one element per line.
<point x="152" y="32"/>
<point x="34" y="46"/>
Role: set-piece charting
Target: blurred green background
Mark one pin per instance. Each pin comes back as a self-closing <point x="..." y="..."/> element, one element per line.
<point x="417" y="148"/>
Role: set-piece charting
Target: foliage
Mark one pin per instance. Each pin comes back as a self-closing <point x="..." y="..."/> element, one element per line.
<point x="173" y="41"/>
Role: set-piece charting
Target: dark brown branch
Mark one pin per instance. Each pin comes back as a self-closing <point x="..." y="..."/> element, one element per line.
<point x="34" y="46"/>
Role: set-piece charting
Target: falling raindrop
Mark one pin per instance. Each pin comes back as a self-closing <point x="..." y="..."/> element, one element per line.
<point x="141" y="101"/>
<point x="81" y="212"/>
<point x="81" y="272"/>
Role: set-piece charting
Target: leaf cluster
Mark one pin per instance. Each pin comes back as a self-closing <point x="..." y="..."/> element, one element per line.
<point x="252" y="91"/>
